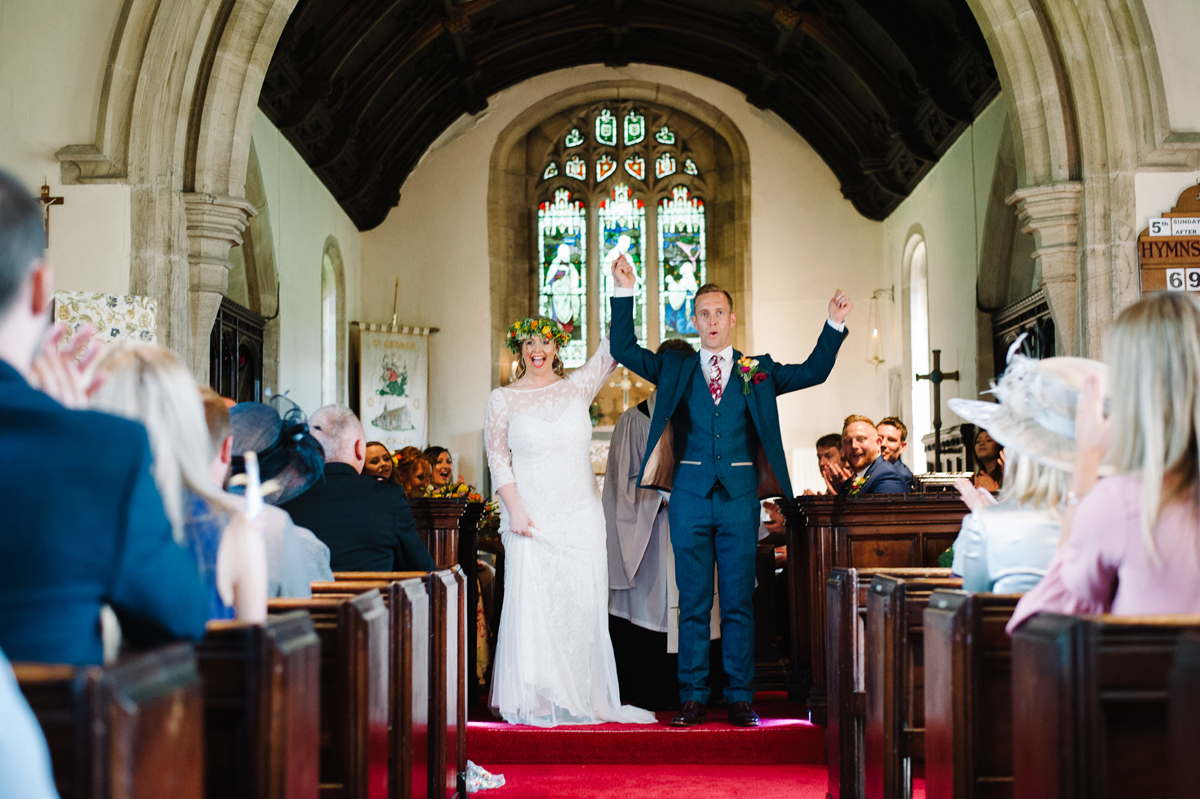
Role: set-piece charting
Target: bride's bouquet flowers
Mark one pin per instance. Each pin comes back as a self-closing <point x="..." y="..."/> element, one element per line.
<point x="459" y="489"/>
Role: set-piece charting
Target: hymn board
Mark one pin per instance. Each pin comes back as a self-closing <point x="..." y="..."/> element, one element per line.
<point x="1169" y="249"/>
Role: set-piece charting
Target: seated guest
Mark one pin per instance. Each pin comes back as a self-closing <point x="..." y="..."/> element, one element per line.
<point x="379" y="462"/>
<point x="1005" y="548"/>
<point x="866" y="471"/>
<point x="289" y="461"/>
<point x="989" y="458"/>
<point x="829" y="451"/>
<point x="149" y="384"/>
<point x="413" y="472"/>
<point x="367" y="524"/>
<point x="894" y="435"/>
<point x="443" y="465"/>
<point x="25" y="771"/>
<point x="73" y="539"/>
<point x="1129" y="542"/>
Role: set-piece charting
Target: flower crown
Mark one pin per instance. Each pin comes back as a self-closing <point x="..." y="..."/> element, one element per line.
<point x="535" y="326"/>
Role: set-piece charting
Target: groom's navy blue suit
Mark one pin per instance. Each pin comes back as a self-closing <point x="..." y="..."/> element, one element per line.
<point x="722" y="454"/>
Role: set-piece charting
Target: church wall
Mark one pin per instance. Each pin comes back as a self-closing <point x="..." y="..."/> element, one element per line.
<point x="52" y="54"/>
<point x="948" y="208"/>
<point x="1176" y="28"/>
<point x="303" y="215"/>
<point x="805" y="240"/>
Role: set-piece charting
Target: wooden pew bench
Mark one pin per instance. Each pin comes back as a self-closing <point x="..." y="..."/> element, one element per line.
<point x="968" y="696"/>
<point x="877" y="532"/>
<point x="845" y="631"/>
<point x="261" y="708"/>
<point x="1183" y="716"/>
<point x="1090" y="705"/>
<point x="894" y="676"/>
<point x="134" y="730"/>
<point x="353" y="693"/>
<point x="428" y="674"/>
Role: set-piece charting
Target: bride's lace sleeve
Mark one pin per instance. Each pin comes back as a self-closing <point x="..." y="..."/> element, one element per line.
<point x="591" y="376"/>
<point x="496" y="434"/>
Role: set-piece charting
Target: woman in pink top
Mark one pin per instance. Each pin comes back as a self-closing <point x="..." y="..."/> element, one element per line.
<point x="1131" y="543"/>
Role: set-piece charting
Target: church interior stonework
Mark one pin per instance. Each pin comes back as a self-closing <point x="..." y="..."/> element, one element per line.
<point x="402" y="217"/>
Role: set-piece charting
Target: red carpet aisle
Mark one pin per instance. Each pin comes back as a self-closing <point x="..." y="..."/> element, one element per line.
<point x="783" y="757"/>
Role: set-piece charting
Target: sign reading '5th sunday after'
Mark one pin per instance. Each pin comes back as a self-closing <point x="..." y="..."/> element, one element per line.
<point x="1169" y="249"/>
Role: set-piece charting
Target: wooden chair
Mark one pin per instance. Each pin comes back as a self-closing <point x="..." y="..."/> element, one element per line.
<point x="1183" y="716"/>
<point x="846" y="612"/>
<point x="134" y="730"/>
<point x="261" y="708"/>
<point x="354" y="692"/>
<point x="894" y="676"/>
<point x="968" y="696"/>
<point x="1090" y="705"/>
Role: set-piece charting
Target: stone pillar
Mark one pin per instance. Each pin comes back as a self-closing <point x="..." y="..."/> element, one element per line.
<point x="214" y="224"/>
<point x="1051" y="214"/>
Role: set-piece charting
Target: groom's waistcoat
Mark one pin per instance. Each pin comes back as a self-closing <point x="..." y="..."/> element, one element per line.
<point x="714" y="443"/>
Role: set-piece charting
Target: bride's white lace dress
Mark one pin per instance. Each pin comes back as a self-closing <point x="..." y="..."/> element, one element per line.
<point x="554" y="660"/>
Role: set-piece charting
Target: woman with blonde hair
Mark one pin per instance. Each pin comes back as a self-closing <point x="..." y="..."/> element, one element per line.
<point x="150" y="385"/>
<point x="1006" y="548"/>
<point x="1129" y="542"/>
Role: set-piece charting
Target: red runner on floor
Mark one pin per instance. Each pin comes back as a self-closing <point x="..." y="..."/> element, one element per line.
<point x="658" y="782"/>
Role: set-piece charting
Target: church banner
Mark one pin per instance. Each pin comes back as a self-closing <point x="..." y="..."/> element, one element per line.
<point x="114" y="317"/>
<point x="394" y="388"/>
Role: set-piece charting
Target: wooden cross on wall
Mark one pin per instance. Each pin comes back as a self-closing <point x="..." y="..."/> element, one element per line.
<point x="47" y="201"/>
<point x="936" y="376"/>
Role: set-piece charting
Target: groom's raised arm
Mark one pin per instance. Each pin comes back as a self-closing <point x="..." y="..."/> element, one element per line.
<point x="622" y="341"/>
<point x="815" y="370"/>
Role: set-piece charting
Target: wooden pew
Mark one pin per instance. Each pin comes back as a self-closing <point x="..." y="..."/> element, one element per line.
<point x="824" y="533"/>
<point x="1090" y="705"/>
<point x="134" y="730"/>
<point x="354" y="692"/>
<point x="261" y="708"/>
<point x="894" y="675"/>
<point x="446" y="744"/>
<point x="845" y="630"/>
<point x="968" y="696"/>
<point x="1183" y="716"/>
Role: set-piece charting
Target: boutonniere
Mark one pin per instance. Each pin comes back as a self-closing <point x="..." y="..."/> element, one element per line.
<point x="748" y="369"/>
<point x="857" y="485"/>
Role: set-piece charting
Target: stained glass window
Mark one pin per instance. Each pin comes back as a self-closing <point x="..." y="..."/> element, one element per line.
<point x="606" y="128"/>
<point x="574" y="138"/>
<point x="605" y="166"/>
<point x="551" y="171"/>
<point x="622" y="234"/>
<point x="665" y="135"/>
<point x="576" y="168"/>
<point x="635" y="165"/>
<point x="562" y="278"/>
<point x="665" y="165"/>
<point x="681" y="263"/>
<point x="635" y="127"/>
<point x="689" y="166"/>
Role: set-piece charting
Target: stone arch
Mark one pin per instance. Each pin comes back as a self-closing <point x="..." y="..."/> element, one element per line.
<point x="176" y="109"/>
<point x="331" y="254"/>
<point x="510" y="223"/>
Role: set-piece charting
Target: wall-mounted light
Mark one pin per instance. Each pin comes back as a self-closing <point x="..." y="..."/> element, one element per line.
<point x="875" y="326"/>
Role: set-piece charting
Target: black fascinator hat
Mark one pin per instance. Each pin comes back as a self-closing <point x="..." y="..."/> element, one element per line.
<point x="287" y="453"/>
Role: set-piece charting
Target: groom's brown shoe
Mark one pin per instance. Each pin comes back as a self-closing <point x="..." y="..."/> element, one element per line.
<point x="742" y="715"/>
<point x="691" y="714"/>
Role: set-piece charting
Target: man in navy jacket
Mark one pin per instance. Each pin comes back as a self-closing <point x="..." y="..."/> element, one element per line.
<point x="867" y="471"/>
<point x="78" y="532"/>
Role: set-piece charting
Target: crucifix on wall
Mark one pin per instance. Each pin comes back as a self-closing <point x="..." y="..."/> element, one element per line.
<point x="936" y="376"/>
<point x="46" y="200"/>
<point x="624" y="384"/>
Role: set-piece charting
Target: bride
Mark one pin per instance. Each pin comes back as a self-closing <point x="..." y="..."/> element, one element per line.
<point x="554" y="660"/>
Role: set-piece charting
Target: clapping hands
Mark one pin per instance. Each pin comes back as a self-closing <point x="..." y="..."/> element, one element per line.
<point x="64" y="374"/>
<point x="836" y="475"/>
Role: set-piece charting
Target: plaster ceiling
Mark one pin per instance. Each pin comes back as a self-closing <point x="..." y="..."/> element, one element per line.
<point x="879" y="88"/>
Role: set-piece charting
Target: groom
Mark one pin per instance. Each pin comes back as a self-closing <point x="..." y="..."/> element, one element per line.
<point x="721" y="445"/>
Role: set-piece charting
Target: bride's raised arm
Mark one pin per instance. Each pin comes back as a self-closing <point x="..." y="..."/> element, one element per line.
<point x="591" y="376"/>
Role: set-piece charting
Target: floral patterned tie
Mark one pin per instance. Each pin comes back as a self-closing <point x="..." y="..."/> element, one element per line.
<point x="714" y="379"/>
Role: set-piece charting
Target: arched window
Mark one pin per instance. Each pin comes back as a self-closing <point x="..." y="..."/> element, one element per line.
<point x="620" y="180"/>
<point x="333" y="324"/>
<point x="922" y="407"/>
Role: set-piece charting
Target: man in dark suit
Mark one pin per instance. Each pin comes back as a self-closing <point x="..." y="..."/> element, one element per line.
<point x="73" y="539"/>
<point x="367" y="525"/>
<point x="726" y="444"/>
<point x="866" y="471"/>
